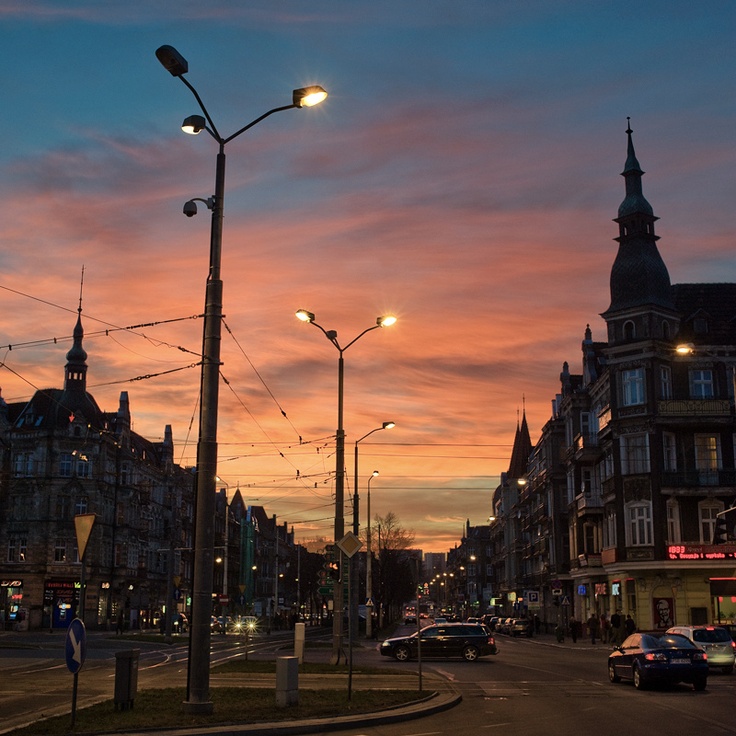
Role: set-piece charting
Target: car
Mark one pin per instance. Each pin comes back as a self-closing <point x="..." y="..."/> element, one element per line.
<point x="440" y="620"/>
<point x="410" y="619"/>
<point x="665" y="658"/>
<point x="716" y="641"/>
<point x="490" y="621"/>
<point x="245" y="625"/>
<point x="469" y="641"/>
<point x="520" y="627"/>
<point x="472" y="620"/>
<point x="179" y="623"/>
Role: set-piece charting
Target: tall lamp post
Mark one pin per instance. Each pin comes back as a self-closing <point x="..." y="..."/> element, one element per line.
<point x="198" y="676"/>
<point x="369" y="565"/>
<point x="331" y="335"/>
<point x="356" y="522"/>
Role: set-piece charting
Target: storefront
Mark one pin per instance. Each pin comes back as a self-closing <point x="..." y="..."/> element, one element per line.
<point x="13" y="615"/>
<point x="60" y="602"/>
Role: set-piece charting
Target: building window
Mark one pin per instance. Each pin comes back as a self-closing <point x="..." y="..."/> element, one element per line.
<point x="701" y="384"/>
<point x="609" y="529"/>
<point x="83" y="467"/>
<point x="639" y="524"/>
<point x="632" y="383"/>
<point x="673" y="522"/>
<point x="62" y="508"/>
<point x="635" y="454"/>
<point x="669" y="452"/>
<point x="60" y="550"/>
<point x="707" y="513"/>
<point x="65" y="464"/>
<point x="629" y="330"/>
<point x="708" y="458"/>
<point x="12" y="550"/>
<point x="24" y="464"/>
<point x="80" y="507"/>
<point x="665" y="382"/>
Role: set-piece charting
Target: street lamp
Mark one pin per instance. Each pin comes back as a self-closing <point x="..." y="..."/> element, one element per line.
<point x="369" y="565"/>
<point x="356" y="527"/>
<point x="331" y="335"/>
<point x="198" y="676"/>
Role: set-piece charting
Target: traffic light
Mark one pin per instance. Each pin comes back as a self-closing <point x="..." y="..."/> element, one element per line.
<point x="720" y="533"/>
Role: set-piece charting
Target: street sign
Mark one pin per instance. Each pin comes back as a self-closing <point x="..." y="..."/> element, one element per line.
<point x="83" y="524"/>
<point x="76" y="645"/>
<point x="224" y="600"/>
<point x="556" y="591"/>
<point x="566" y="601"/>
<point x="326" y="590"/>
<point x="349" y="544"/>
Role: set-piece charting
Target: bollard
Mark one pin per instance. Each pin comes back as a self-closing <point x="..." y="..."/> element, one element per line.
<point x="126" y="678"/>
<point x="287" y="681"/>
<point x="299" y="637"/>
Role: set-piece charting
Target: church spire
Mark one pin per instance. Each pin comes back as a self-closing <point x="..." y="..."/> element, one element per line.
<point x="639" y="276"/>
<point x="521" y="450"/>
<point x="75" y="372"/>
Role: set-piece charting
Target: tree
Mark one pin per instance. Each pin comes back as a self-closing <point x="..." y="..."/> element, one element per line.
<point x="396" y="572"/>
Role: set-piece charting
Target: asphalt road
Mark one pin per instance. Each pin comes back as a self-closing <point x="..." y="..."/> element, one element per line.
<point x="531" y="687"/>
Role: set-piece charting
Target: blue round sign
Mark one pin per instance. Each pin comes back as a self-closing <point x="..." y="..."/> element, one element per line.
<point x="76" y="645"/>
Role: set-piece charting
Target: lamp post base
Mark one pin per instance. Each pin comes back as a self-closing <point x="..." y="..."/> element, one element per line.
<point x="198" y="709"/>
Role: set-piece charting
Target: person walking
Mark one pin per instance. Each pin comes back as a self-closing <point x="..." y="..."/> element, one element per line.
<point x="617" y="628"/>
<point x="593" y="624"/>
<point x="629" y="625"/>
<point x="574" y="629"/>
<point x="605" y="629"/>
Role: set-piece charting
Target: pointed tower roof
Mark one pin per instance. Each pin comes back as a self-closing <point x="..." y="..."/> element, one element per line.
<point x="521" y="450"/>
<point x="639" y="276"/>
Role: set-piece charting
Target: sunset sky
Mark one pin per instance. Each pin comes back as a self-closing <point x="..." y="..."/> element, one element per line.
<point x="462" y="175"/>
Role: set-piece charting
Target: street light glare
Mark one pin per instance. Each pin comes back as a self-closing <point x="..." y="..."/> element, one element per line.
<point x="309" y="96"/>
<point x="304" y="315"/>
<point x="386" y="320"/>
<point x="388" y="425"/>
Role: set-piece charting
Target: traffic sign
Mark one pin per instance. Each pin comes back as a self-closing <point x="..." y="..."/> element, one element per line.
<point x="326" y="590"/>
<point x="76" y="645"/>
<point x="349" y="544"/>
<point x="566" y="601"/>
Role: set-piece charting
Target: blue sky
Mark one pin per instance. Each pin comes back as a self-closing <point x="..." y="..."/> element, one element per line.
<point x="463" y="174"/>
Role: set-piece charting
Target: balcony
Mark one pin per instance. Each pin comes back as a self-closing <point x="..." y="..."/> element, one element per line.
<point x="694" y="407"/>
<point x="589" y="560"/>
<point x="585" y="448"/>
<point x="589" y="501"/>
<point x="698" y="478"/>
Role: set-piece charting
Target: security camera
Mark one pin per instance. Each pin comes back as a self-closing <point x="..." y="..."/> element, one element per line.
<point x="190" y="208"/>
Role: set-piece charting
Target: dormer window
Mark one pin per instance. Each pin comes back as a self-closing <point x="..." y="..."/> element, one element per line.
<point x="700" y="325"/>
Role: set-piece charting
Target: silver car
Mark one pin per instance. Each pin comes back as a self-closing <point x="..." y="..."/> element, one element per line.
<point x="714" y="640"/>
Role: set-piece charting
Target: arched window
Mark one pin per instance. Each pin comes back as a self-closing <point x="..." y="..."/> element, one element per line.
<point x="629" y="330"/>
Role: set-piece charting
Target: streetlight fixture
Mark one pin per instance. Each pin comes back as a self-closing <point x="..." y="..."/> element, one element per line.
<point x="198" y="674"/>
<point x="384" y="321"/>
<point x="369" y="565"/>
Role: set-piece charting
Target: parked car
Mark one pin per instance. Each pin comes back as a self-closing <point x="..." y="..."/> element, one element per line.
<point x="520" y="627"/>
<point x="468" y="641"/>
<point x="410" y="619"/>
<point x="440" y="620"/>
<point x="490" y="621"/>
<point x="715" y="640"/>
<point x="666" y="658"/>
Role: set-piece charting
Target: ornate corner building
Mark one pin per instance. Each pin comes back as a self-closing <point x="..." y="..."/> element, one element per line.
<point x="61" y="456"/>
<point x="623" y="503"/>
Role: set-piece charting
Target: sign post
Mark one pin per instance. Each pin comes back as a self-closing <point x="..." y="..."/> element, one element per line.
<point x="76" y="652"/>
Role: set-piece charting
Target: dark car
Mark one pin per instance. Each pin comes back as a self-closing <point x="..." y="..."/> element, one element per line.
<point x="664" y="658"/>
<point x="468" y="641"/>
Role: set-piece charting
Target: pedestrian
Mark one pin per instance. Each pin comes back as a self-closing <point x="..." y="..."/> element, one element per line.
<point x="537" y="624"/>
<point x="629" y="625"/>
<point x="593" y="624"/>
<point x="617" y="627"/>
<point x="574" y="630"/>
<point x="119" y="625"/>
<point x="605" y="629"/>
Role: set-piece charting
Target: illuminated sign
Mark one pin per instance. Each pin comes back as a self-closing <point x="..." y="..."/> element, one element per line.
<point x="616" y="587"/>
<point x="701" y="552"/>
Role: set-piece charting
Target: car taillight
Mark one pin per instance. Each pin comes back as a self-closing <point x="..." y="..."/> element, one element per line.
<point x="655" y="657"/>
<point x="491" y="640"/>
<point x="699" y="656"/>
<point x="733" y="645"/>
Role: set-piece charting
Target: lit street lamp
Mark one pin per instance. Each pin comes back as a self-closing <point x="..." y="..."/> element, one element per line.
<point x="356" y="522"/>
<point x="198" y="676"/>
<point x="331" y="335"/>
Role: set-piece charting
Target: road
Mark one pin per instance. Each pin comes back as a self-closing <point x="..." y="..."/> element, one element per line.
<point x="531" y="687"/>
<point x="537" y="687"/>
